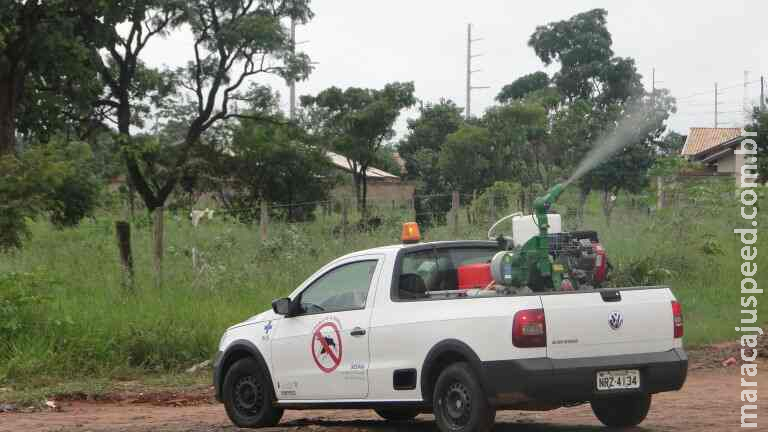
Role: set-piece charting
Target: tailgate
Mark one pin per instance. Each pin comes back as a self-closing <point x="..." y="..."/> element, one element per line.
<point x="600" y="323"/>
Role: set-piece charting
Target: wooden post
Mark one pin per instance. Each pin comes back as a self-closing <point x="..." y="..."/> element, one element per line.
<point x="157" y="216"/>
<point x="412" y="206"/>
<point x="455" y="203"/>
<point x="263" y="220"/>
<point x="123" y="231"/>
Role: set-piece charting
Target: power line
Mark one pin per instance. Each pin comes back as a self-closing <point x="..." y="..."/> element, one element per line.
<point x="709" y="92"/>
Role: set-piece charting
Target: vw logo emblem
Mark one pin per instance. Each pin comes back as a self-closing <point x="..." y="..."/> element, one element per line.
<point x="615" y="320"/>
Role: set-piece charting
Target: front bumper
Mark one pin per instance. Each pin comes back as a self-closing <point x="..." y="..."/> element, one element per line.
<point x="556" y="381"/>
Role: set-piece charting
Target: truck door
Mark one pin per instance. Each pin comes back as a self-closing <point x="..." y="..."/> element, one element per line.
<point x="323" y="352"/>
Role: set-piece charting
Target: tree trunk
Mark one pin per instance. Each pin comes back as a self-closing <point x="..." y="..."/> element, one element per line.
<point x="9" y="92"/>
<point x="157" y="245"/>
<point x="608" y="206"/>
<point x="583" y="196"/>
<point x="358" y="192"/>
<point x="364" y="205"/>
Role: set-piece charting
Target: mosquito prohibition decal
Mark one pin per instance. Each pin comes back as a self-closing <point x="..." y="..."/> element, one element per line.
<point x="326" y="346"/>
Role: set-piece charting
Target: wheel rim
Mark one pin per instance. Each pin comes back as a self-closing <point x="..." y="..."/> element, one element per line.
<point x="249" y="396"/>
<point x="456" y="405"/>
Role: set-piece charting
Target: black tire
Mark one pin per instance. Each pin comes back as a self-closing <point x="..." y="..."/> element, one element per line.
<point x="459" y="403"/>
<point x="248" y="396"/>
<point x="397" y="414"/>
<point x="622" y="411"/>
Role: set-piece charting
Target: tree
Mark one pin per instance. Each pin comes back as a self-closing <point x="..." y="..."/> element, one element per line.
<point x="465" y="159"/>
<point x="53" y="178"/>
<point x="516" y="133"/>
<point x="523" y="86"/>
<point x="425" y="138"/>
<point x="45" y="76"/>
<point x="356" y="122"/>
<point x="129" y="83"/>
<point x="600" y="93"/>
<point x="671" y="144"/>
<point x="588" y="69"/>
<point x="269" y="162"/>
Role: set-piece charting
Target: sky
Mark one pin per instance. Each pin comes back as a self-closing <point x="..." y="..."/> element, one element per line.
<point x="363" y="43"/>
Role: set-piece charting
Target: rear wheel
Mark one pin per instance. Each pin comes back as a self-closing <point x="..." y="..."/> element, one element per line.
<point x="397" y="414"/>
<point x="622" y="411"/>
<point x="248" y="396"/>
<point x="459" y="403"/>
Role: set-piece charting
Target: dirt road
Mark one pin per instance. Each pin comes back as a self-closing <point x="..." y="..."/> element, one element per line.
<point x="708" y="403"/>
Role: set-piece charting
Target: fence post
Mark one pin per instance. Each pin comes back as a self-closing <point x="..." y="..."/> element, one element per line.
<point x="264" y="220"/>
<point x="455" y="203"/>
<point x="123" y="231"/>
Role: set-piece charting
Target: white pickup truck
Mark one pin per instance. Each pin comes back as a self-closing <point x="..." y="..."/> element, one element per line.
<point x="390" y="329"/>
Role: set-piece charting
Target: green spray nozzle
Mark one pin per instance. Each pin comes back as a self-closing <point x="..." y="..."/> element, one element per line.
<point x="541" y="206"/>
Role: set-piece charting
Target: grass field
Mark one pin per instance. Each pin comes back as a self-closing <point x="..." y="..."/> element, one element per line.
<point x="85" y="325"/>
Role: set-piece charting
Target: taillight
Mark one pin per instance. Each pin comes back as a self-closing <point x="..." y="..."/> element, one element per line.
<point x="529" y="329"/>
<point x="677" y="317"/>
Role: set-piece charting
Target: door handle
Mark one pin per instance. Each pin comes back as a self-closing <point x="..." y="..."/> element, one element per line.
<point x="357" y="331"/>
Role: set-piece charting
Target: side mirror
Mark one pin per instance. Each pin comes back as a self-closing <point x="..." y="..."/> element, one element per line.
<point x="283" y="306"/>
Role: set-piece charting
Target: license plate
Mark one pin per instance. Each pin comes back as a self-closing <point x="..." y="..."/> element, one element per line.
<point x="618" y="380"/>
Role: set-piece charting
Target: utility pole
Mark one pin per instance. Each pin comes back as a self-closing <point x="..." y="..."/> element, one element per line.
<point x="653" y="88"/>
<point x="746" y="105"/>
<point x="292" y="83"/>
<point x="762" y="93"/>
<point x="470" y="71"/>
<point x="715" y="105"/>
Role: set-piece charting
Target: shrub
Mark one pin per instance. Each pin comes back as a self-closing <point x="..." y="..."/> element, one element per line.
<point x="19" y="304"/>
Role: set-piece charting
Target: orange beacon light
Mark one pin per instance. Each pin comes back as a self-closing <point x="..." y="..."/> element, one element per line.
<point x="411" y="233"/>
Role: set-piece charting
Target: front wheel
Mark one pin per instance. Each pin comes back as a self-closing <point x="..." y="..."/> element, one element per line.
<point x="397" y="414"/>
<point x="459" y="403"/>
<point x="248" y="396"/>
<point x="622" y="411"/>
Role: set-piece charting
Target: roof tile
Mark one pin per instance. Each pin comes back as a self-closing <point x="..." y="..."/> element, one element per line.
<point x="702" y="139"/>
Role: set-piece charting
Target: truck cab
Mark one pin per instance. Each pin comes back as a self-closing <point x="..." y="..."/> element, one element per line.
<point x="392" y="329"/>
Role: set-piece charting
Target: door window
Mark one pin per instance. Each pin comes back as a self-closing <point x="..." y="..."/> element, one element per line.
<point x="343" y="288"/>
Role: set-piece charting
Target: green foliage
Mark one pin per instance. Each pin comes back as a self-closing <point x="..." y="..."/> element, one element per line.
<point x="424" y="140"/>
<point x="356" y="122"/>
<point x="465" y="159"/>
<point x="385" y="160"/>
<point x="269" y="161"/>
<point x="523" y="86"/>
<point x="21" y="299"/>
<point x="646" y="270"/>
<point x="588" y="69"/>
<point x="517" y="147"/>
<point x="52" y="178"/>
<point x="46" y="76"/>
<point x="506" y="197"/>
<point x="672" y="144"/>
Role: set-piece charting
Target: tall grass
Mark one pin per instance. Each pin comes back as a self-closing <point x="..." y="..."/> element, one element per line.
<point x="88" y="325"/>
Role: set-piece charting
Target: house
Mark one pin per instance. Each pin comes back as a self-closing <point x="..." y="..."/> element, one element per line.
<point x="382" y="186"/>
<point x="714" y="147"/>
